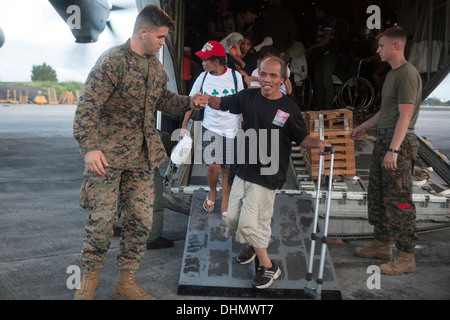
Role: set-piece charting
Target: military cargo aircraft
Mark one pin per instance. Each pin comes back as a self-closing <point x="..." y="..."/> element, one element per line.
<point x="428" y="26"/>
<point x="2" y="37"/>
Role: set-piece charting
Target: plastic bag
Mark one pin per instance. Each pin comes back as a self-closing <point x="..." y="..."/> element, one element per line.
<point x="182" y="151"/>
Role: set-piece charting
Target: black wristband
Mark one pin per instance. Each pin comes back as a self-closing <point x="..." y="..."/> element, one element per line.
<point x="394" y="151"/>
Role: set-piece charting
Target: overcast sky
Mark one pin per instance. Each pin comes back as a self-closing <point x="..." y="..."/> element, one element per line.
<point x="35" y="34"/>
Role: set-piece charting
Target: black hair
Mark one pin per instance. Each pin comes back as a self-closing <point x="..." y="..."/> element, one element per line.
<point x="222" y="60"/>
<point x="285" y="57"/>
<point x="250" y="36"/>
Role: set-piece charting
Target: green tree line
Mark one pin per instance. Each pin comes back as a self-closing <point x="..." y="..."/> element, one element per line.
<point x="436" y="102"/>
<point x="43" y="72"/>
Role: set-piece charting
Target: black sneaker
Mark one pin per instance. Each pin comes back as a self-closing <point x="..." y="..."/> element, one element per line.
<point x="264" y="276"/>
<point x="246" y="255"/>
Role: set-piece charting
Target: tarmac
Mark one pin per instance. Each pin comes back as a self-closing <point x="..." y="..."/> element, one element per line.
<point x="42" y="227"/>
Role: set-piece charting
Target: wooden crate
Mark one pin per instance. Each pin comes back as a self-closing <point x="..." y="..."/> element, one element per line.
<point x="339" y="119"/>
<point x="344" y="148"/>
<point x="341" y="167"/>
<point x="344" y="159"/>
<point x="334" y="126"/>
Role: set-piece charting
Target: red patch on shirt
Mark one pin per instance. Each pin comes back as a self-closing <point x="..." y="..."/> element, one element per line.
<point x="403" y="206"/>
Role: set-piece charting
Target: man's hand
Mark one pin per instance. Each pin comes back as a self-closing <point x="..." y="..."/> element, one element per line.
<point x="237" y="47"/>
<point x="322" y="145"/>
<point x="96" y="162"/>
<point x="356" y="133"/>
<point x="390" y="161"/>
<point x="198" y="101"/>
<point x="184" y="132"/>
<point x="310" y="143"/>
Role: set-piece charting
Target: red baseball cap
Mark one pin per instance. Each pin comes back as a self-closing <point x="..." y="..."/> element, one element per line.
<point x="211" y="48"/>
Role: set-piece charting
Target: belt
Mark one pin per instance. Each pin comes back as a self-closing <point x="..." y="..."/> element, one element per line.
<point x="383" y="131"/>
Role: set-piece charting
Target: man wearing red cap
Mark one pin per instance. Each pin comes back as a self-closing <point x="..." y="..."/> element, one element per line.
<point x="219" y="128"/>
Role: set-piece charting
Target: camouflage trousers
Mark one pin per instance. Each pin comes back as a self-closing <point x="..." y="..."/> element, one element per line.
<point x="390" y="206"/>
<point x="130" y="193"/>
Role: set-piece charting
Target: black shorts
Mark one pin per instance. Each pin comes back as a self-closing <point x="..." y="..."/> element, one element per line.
<point x="216" y="151"/>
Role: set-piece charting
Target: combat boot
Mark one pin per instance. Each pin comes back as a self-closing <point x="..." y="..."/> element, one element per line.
<point x="88" y="286"/>
<point x="404" y="263"/>
<point x="127" y="289"/>
<point x="377" y="249"/>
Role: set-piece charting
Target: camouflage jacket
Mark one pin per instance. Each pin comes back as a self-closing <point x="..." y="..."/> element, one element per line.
<point x="116" y="111"/>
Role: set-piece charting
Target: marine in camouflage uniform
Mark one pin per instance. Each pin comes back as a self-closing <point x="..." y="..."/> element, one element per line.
<point x="115" y="115"/>
<point x="391" y="209"/>
<point x="390" y="205"/>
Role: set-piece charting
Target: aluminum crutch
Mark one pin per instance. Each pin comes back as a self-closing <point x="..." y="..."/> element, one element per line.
<point x="316" y="294"/>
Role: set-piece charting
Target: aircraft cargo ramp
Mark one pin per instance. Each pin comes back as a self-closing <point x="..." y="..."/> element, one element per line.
<point x="209" y="269"/>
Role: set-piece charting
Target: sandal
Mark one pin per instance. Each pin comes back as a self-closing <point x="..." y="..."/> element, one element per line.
<point x="209" y="203"/>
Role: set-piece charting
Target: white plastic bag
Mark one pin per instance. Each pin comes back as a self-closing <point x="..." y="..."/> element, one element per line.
<point x="182" y="151"/>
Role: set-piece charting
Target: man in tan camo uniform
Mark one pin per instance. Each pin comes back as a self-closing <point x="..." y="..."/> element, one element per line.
<point x="115" y="128"/>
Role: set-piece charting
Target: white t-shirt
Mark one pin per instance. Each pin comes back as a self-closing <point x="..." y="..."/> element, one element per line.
<point x="255" y="83"/>
<point x="221" y="122"/>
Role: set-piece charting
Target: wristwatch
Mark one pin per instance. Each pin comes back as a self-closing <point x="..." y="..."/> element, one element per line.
<point x="394" y="151"/>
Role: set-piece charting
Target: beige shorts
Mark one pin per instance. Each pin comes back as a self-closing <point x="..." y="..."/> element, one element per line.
<point x="250" y="211"/>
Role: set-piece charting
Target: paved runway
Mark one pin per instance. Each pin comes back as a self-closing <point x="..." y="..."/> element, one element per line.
<point x="433" y="123"/>
<point x="41" y="226"/>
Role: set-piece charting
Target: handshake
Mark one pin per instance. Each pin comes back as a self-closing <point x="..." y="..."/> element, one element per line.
<point x="198" y="101"/>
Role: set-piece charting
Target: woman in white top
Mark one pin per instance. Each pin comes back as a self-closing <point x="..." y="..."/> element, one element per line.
<point x="219" y="81"/>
